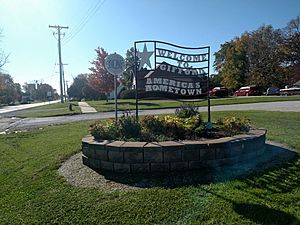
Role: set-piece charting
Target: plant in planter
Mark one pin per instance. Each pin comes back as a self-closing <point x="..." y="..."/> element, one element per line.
<point x="108" y="131"/>
<point x="152" y="129"/>
<point x="188" y="125"/>
<point x="233" y="125"/>
<point x="187" y="111"/>
<point x="127" y="128"/>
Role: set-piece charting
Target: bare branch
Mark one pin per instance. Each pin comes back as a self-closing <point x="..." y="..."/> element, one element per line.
<point x="3" y="59"/>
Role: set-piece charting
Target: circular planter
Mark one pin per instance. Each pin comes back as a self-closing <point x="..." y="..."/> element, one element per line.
<point x="161" y="157"/>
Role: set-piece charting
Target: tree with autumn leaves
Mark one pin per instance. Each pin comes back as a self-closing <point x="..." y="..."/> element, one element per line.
<point x="100" y="79"/>
<point x="265" y="57"/>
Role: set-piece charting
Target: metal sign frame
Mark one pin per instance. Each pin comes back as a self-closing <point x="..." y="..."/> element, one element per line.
<point x="178" y="55"/>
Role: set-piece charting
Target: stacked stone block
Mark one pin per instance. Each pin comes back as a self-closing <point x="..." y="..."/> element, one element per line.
<point x="169" y="156"/>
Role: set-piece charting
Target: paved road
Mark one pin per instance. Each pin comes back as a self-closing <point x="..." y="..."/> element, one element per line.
<point x="10" y="124"/>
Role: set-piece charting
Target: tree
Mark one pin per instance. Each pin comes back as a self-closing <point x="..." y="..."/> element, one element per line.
<point x="265" y="60"/>
<point x="80" y="89"/>
<point x="19" y="92"/>
<point x="215" y="80"/>
<point x="8" y="89"/>
<point x="43" y="90"/>
<point x="127" y="78"/>
<point x="3" y="57"/>
<point x="30" y="91"/>
<point x="290" y="49"/>
<point x="99" y="78"/>
<point x="254" y="58"/>
<point x="75" y="90"/>
<point x="231" y="62"/>
<point x="38" y="91"/>
<point x="91" y="94"/>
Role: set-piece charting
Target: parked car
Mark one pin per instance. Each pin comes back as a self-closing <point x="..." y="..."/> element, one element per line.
<point x="219" y="92"/>
<point x="290" y="91"/>
<point x="273" y="91"/>
<point x="248" y="90"/>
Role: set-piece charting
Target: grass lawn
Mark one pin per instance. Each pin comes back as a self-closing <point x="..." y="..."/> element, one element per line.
<point x="32" y="192"/>
<point x="129" y="104"/>
<point x="56" y="105"/>
<point x="56" y="109"/>
<point x="60" y="112"/>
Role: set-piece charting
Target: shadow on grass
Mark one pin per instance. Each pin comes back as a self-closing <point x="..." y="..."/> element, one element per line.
<point x="274" y="156"/>
<point x="259" y="213"/>
<point x="264" y="215"/>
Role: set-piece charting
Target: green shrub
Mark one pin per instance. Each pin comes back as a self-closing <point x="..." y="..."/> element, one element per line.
<point x="200" y="131"/>
<point x="187" y="111"/>
<point x="126" y="128"/>
<point x="129" y="127"/>
<point x="153" y="128"/>
<point x="108" y="131"/>
<point x="152" y="124"/>
<point x="193" y="122"/>
<point x="191" y="126"/>
<point x="233" y="125"/>
<point x="173" y="127"/>
<point x="149" y="137"/>
<point x="167" y="128"/>
<point x="128" y="94"/>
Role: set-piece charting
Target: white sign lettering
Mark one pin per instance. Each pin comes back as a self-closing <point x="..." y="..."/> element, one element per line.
<point x="173" y="86"/>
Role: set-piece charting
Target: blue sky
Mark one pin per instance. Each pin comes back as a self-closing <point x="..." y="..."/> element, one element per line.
<point x="117" y="24"/>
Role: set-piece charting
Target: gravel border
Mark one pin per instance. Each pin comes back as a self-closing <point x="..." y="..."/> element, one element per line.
<point x="79" y="175"/>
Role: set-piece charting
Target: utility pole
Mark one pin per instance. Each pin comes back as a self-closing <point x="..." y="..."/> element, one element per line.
<point x="67" y="82"/>
<point x="63" y="80"/>
<point x="60" y="62"/>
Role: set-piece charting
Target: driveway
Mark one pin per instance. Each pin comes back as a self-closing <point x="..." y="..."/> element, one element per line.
<point x="10" y="124"/>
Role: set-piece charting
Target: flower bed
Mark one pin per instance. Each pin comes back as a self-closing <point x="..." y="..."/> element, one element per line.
<point x="162" y="157"/>
<point x="167" y="128"/>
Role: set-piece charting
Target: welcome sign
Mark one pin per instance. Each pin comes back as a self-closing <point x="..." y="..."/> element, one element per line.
<point x="171" y="71"/>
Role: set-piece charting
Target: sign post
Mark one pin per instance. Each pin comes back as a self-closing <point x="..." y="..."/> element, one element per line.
<point x="115" y="64"/>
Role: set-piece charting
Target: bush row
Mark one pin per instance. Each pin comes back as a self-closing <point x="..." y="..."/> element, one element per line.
<point x="186" y="124"/>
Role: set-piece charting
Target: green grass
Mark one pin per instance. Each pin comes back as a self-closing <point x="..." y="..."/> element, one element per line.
<point x="129" y="104"/>
<point x="56" y="105"/>
<point x="61" y="112"/>
<point x="56" y="109"/>
<point x="32" y="192"/>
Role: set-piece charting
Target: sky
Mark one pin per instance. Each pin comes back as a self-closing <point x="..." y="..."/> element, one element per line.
<point x="116" y="24"/>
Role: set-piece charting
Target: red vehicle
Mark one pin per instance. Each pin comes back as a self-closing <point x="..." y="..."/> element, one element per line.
<point x="249" y="90"/>
<point x="219" y="92"/>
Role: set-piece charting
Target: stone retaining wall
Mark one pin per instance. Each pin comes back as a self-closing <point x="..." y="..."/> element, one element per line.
<point x="143" y="157"/>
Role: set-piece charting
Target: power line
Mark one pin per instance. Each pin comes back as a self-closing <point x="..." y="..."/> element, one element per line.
<point x="91" y="12"/>
<point x="59" y="58"/>
<point x="53" y="71"/>
<point x="92" y="6"/>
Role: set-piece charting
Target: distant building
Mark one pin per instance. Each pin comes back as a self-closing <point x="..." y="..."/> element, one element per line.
<point x="296" y="85"/>
<point x="296" y="73"/>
